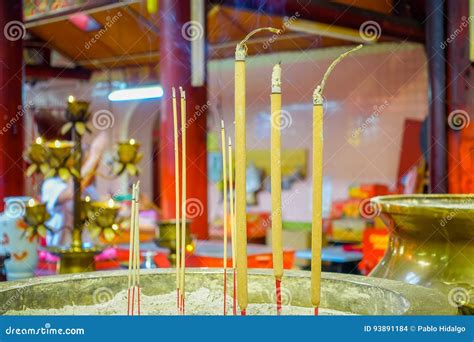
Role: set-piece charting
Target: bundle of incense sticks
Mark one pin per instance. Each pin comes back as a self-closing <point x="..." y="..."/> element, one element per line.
<point x="134" y="255"/>
<point x="180" y="223"/>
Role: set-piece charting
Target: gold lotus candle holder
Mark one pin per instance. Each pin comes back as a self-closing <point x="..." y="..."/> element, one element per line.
<point x="61" y="161"/>
<point x="35" y="218"/>
<point x="103" y="219"/>
<point x="77" y="115"/>
<point x="127" y="157"/>
<point x="37" y="156"/>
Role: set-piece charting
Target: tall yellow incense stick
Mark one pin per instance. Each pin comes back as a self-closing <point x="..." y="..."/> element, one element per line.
<point x="183" y="197"/>
<point x="224" y="189"/>
<point x="137" y="243"/>
<point x="240" y="168"/>
<point x="131" y="252"/>
<point x="232" y="207"/>
<point x="176" y="181"/>
<point x="277" y="242"/>
<point x="232" y="225"/>
<point x="317" y="170"/>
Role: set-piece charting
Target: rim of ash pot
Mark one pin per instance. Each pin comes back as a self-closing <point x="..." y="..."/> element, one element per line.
<point x="435" y="205"/>
<point x="414" y="300"/>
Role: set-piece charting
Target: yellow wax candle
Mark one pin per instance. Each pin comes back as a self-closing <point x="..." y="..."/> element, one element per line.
<point x="277" y="242"/>
<point x="232" y="212"/>
<point x="240" y="168"/>
<point x="183" y="192"/>
<point x="316" y="237"/>
<point x="176" y="181"/>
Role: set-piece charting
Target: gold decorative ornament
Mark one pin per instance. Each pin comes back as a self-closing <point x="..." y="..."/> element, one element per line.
<point x="61" y="159"/>
<point x="37" y="157"/>
<point x="34" y="220"/>
<point x="127" y="157"/>
<point x="77" y="115"/>
<point x="102" y="218"/>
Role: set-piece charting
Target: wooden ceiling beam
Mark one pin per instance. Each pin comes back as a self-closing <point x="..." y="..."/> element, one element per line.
<point x="401" y="28"/>
<point x="43" y="72"/>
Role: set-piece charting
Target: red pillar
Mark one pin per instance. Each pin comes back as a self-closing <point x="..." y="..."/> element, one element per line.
<point x="437" y="117"/>
<point x="11" y="110"/>
<point x="460" y="140"/>
<point x="175" y="70"/>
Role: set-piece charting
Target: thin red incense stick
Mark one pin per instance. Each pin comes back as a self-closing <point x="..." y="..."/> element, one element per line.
<point x="177" y="298"/>
<point x="133" y="299"/>
<point x="182" y="305"/>
<point x="128" y="302"/>
<point x="243" y="313"/>
<point x="138" y="289"/>
<point x="278" y="296"/>
<point x="235" y="294"/>
<point x="225" y="293"/>
<point x="316" y="311"/>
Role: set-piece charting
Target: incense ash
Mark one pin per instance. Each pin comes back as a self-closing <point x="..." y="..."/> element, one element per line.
<point x="200" y="302"/>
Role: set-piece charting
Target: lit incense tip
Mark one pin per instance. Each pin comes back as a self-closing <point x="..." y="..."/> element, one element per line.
<point x="230" y="142"/>
<point x="222" y="124"/>
<point x="276" y="78"/>
<point x="174" y="91"/>
<point x="182" y="92"/>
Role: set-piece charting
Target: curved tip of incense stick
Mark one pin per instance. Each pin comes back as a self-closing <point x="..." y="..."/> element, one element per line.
<point x="174" y="91"/>
<point x="222" y="124"/>
<point x="182" y="92"/>
<point x="241" y="48"/>
<point x="318" y="91"/>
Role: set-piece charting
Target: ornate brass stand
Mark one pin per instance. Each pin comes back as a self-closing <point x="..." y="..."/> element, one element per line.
<point x="166" y="237"/>
<point x="431" y="244"/>
<point x="64" y="159"/>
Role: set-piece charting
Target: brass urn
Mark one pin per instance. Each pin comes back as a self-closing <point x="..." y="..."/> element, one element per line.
<point x="431" y="244"/>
